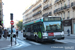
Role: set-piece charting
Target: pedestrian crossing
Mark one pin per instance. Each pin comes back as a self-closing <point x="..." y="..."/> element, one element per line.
<point x="28" y="43"/>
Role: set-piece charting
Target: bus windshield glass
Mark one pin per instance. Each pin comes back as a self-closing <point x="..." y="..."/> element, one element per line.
<point x="53" y="26"/>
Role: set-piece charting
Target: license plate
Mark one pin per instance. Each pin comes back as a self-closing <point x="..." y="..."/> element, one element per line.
<point x="50" y="34"/>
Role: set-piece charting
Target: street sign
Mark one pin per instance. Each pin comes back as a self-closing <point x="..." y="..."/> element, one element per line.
<point x="12" y="22"/>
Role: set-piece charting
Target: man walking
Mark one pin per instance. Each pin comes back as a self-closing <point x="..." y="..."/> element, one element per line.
<point x="17" y="32"/>
<point x="68" y="32"/>
<point x="0" y="32"/>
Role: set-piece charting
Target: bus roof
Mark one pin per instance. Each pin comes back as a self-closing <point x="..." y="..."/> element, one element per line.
<point x="36" y="20"/>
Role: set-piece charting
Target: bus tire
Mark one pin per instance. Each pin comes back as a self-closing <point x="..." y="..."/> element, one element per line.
<point x="42" y="41"/>
<point x="36" y="39"/>
<point x="26" y="38"/>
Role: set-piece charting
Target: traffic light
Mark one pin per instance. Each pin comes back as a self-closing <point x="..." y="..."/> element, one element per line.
<point x="11" y="16"/>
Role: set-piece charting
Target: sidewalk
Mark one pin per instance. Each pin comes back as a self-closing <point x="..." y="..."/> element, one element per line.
<point x="4" y="43"/>
<point x="72" y="36"/>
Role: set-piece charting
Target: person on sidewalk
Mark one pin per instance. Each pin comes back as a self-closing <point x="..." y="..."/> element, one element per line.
<point x="17" y="32"/>
<point x="68" y="32"/>
<point x="5" y="33"/>
<point x="1" y="32"/>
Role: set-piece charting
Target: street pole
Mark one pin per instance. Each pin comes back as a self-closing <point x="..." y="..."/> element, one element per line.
<point x="11" y="18"/>
<point x="11" y="35"/>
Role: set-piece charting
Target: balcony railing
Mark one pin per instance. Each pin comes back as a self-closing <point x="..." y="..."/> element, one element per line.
<point x="73" y="4"/>
<point x="62" y="8"/>
<point x="57" y="1"/>
<point x="68" y="6"/>
<point x="44" y="0"/>
<point x="68" y="17"/>
<point x="45" y="7"/>
<point x="37" y="13"/>
<point x="50" y="4"/>
<point x="45" y="15"/>
<point x="50" y="13"/>
<point x="37" y="7"/>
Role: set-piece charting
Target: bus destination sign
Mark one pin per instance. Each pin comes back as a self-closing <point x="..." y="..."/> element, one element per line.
<point x="51" y="19"/>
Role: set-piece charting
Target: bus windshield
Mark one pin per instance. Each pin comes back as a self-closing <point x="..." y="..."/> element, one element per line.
<point x="53" y="26"/>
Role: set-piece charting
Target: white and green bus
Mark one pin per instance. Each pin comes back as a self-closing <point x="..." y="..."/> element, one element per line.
<point x="44" y="29"/>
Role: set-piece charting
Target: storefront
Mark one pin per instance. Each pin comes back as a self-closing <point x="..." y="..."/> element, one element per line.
<point x="69" y="24"/>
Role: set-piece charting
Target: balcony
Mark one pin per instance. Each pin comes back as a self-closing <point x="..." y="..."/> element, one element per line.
<point x="73" y="4"/>
<point x="50" y="4"/>
<point x="62" y="8"/>
<point x="55" y="10"/>
<point x="37" y="13"/>
<point x="45" y="15"/>
<point x="59" y="9"/>
<point x="50" y="13"/>
<point x="68" y="6"/>
<point x="45" y="7"/>
<point x="44" y="1"/>
<point x="57" y="1"/>
<point x="68" y="17"/>
<point x="37" y="7"/>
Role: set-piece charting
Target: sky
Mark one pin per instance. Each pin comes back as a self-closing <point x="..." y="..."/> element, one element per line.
<point x="17" y="7"/>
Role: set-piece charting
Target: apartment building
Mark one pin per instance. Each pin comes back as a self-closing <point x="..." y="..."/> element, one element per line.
<point x="62" y="8"/>
<point x="1" y="13"/>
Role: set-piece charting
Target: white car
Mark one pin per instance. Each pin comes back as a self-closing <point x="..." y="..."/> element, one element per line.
<point x="13" y="33"/>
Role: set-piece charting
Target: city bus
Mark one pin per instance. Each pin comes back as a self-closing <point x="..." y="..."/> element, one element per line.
<point x="44" y="29"/>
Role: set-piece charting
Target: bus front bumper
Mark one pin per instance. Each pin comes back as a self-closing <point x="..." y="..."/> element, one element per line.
<point x="58" y="37"/>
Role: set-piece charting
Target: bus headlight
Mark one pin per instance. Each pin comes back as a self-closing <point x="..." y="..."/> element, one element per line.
<point x="62" y="33"/>
<point x="45" y="34"/>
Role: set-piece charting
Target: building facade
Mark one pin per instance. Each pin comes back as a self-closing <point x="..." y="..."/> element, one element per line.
<point x="43" y="8"/>
<point x="1" y="13"/>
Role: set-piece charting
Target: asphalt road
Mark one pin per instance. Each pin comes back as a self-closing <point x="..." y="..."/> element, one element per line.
<point x="66" y="44"/>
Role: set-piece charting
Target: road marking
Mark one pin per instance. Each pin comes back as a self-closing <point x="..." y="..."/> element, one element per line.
<point x="66" y="41"/>
<point x="35" y="43"/>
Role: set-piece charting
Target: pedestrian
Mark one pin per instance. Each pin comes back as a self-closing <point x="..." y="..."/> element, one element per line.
<point x="5" y="33"/>
<point x="1" y="32"/>
<point x="68" y="32"/>
<point x="17" y="32"/>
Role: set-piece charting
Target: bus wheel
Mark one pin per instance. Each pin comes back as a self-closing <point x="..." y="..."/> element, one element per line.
<point x="36" y="39"/>
<point x="42" y="41"/>
<point x="26" y="38"/>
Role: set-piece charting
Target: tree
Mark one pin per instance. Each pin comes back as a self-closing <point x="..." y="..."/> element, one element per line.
<point x="19" y="24"/>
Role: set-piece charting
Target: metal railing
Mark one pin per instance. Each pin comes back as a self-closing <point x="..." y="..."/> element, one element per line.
<point x="45" y="7"/>
<point x="44" y="0"/>
<point x="37" y="7"/>
<point x="37" y="13"/>
<point x="45" y="15"/>
<point x="57" y="1"/>
<point x="50" y="13"/>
